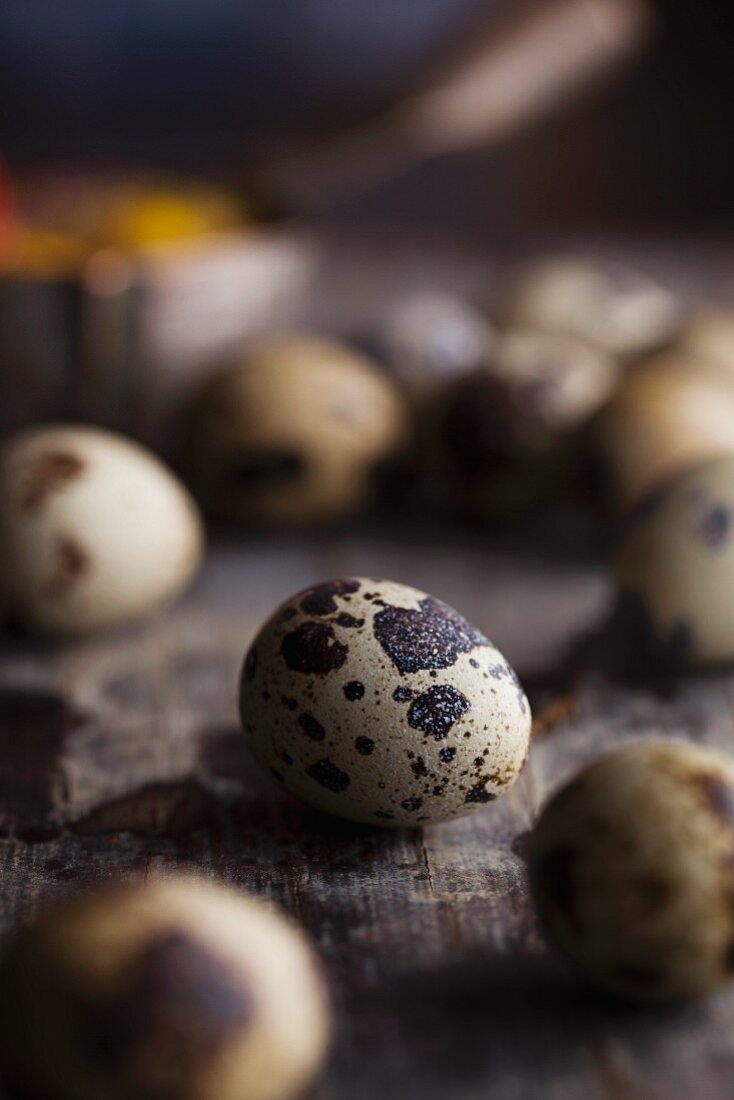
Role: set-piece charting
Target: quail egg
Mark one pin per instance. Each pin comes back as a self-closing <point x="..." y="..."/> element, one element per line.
<point x="669" y="413"/>
<point x="508" y="437"/>
<point x="179" y="988"/>
<point x="430" y="337"/>
<point x="675" y="566"/>
<point x="375" y="702"/>
<point x="709" y="336"/>
<point x="631" y="867"/>
<point x="604" y="303"/>
<point x="94" y="530"/>
<point x="296" y="433"/>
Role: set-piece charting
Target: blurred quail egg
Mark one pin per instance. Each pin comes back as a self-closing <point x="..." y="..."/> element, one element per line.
<point x="675" y="566"/>
<point x="94" y="530"/>
<point x="669" y="413"/>
<point x="296" y="433"/>
<point x="607" y="304"/>
<point x="375" y="702"/>
<point x="632" y="871"/>
<point x="430" y="337"/>
<point x="508" y="436"/>
<point x="709" y="336"/>
<point x="175" y="990"/>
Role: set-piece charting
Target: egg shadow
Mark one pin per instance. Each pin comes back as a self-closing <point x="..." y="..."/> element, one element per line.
<point x="489" y="1018"/>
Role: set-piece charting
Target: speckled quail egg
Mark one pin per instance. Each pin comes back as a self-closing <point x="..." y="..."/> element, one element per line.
<point x="709" y="336"/>
<point x="296" y="433"/>
<point x="507" y="436"/>
<point x="375" y="702"/>
<point x="94" y="530"/>
<point x="675" y="566"/>
<point x="175" y="990"/>
<point x="431" y="337"/>
<point x="669" y="413"/>
<point x="631" y="867"/>
<point x="607" y="304"/>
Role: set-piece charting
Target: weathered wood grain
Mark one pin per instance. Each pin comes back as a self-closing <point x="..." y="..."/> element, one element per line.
<point x="124" y="754"/>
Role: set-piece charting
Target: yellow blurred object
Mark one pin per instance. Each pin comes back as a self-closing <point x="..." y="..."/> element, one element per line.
<point x="166" y="217"/>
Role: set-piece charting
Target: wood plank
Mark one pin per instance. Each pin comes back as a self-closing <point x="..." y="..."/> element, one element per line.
<point x="132" y="760"/>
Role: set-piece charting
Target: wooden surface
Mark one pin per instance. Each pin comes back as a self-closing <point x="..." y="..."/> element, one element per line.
<point x="125" y="754"/>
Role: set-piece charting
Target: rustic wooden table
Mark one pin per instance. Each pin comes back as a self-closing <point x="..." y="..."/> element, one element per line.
<point x="125" y="755"/>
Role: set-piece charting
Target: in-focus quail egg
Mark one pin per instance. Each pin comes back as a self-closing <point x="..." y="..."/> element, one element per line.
<point x="94" y="530"/>
<point x="709" y="336"/>
<point x="675" y="566"/>
<point x="431" y="337"/>
<point x="508" y="436"/>
<point x="632" y="871"/>
<point x="378" y="703"/>
<point x="179" y="989"/>
<point x="607" y="304"/>
<point x="669" y="413"/>
<point x="296" y="433"/>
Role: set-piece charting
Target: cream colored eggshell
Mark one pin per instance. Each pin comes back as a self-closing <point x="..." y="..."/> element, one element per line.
<point x="374" y="702"/>
<point x="314" y="401"/>
<point x="709" y="336"/>
<point x="89" y="947"/>
<point x="566" y="380"/>
<point x="606" y="304"/>
<point x="94" y="530"/>
<point x="669" y="413"/>
<point x="675" y="567"/>
<point x="632" y="870"/>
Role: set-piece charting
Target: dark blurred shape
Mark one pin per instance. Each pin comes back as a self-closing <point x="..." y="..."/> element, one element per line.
<point x="196" y="82"/>
<point x="234" y="85"/>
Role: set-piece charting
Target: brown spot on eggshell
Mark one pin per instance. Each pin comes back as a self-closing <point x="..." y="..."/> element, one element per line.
<point x="328" y="775"/>
<point x="718" y="795"/>
<point x="175" y="1000"/>
<point x="353" y="691"/>
<point x="432" y="637"/>
<point x="321" y="599"/>
<point x="47" y="473"/>
<point x="70" y="562"/>
<point x="313" y="649"/>
<point x="311" y="727"/>
<point x="364" y="745"/>
<point x="479" y="792"/>
<point x="435" y="711"/>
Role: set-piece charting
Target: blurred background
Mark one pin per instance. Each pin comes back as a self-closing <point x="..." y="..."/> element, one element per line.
<point x="181" y="178"/>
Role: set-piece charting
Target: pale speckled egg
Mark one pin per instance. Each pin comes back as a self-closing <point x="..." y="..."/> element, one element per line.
<point x="510" y="437"/>
<point x="94" y="530"/>
<point x="177" y="988"/>
<point x="675" y="566"/>
<point x="631" y="866"/>
<point x="605" y="303"/>
<point x="670" y="412"/>
<point x="296" y="433"/>
<point x="375" y="702"/>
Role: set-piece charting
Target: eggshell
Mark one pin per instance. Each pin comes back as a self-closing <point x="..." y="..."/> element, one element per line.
<point x="669" y="413"/>
<point x="605" y="303"/>
<point x="709" y="336"/>
<point x="177" y="988"/>
<point x="431" y="337"/>
<point x="378" y="703"/>
<point x="632" y="871"/>
<point x="675" y="566"/>
<point x="296" y="433"/>
<point x="94" y="530"/>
